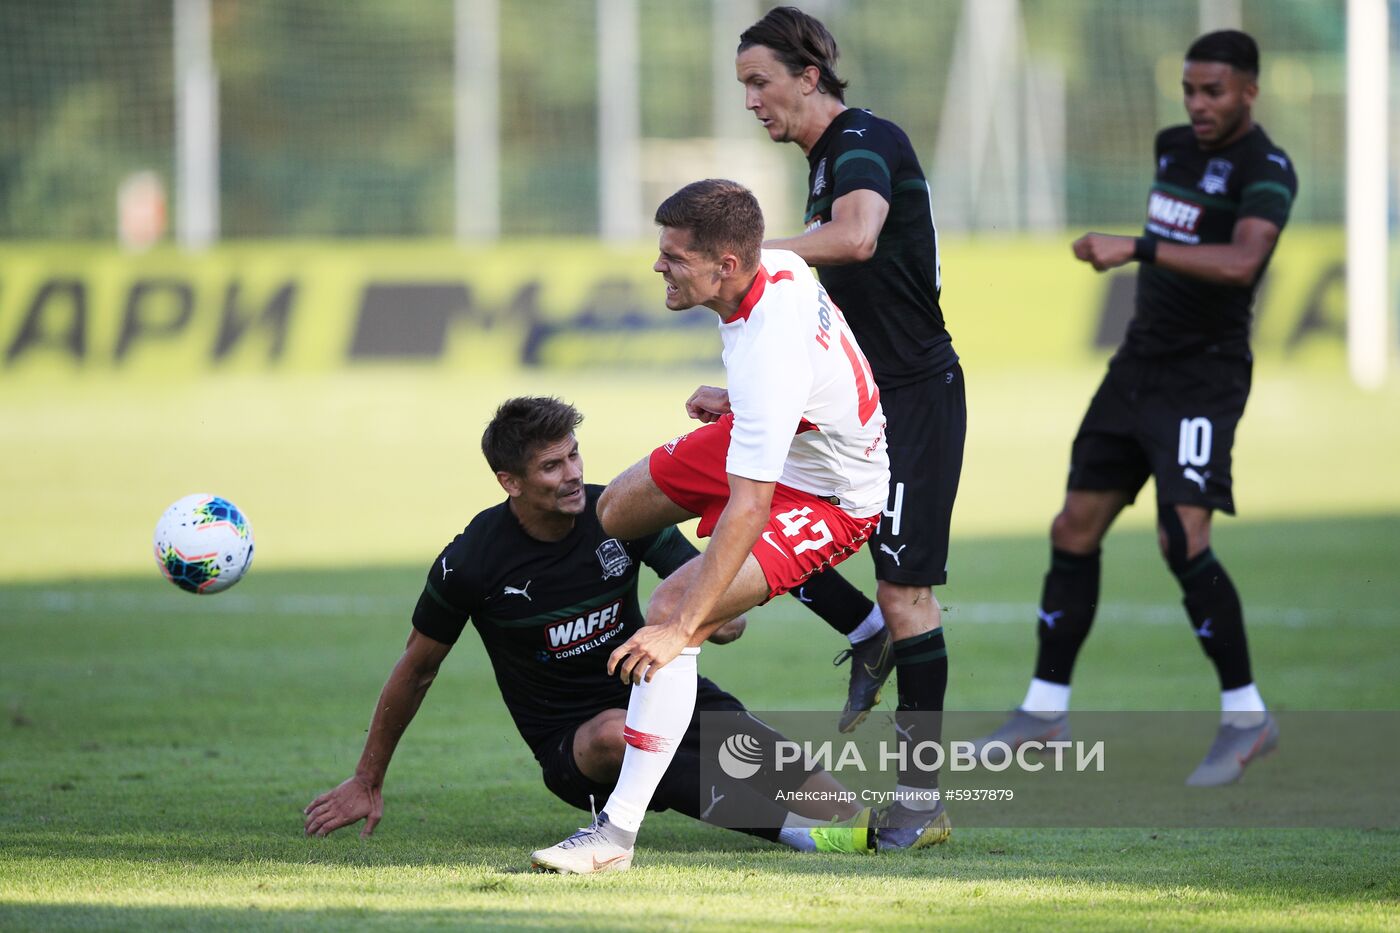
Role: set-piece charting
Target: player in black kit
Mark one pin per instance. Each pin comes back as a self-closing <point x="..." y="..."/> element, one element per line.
<point x="1173" y="395"/>
<point x="870" y="235"/>
<point x="551" y="594"/>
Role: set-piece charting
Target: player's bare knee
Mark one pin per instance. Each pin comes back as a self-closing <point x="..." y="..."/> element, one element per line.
<point x="908" y="610"/>
<point x="1183" y="534"/>
<point x="1071" y="532"/>
<point x="609" y="745"/>
<point x="599" y="745"/>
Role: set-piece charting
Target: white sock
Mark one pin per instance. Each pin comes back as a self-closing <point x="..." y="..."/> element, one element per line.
<point x="1242" y="707"/>
<point x="658" y="714"/>
<point x="798" y="821"/>
<point x="873" y="625"/>
<point x="1045" y="699"/>
<point x="797" y="837"/>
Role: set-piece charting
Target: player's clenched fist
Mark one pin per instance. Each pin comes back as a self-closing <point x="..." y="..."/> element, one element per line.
<point x="707" y="404"/>
<point x="1103" y="252"/>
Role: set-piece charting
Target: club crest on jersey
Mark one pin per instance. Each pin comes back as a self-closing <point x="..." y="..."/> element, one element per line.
<point x="612" y="556"/>
<point x="1216" y="177"/>
<point x="819" y="184"/>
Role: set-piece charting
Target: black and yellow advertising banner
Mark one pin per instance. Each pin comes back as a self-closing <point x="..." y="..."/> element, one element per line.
<point x="318" y="306"/>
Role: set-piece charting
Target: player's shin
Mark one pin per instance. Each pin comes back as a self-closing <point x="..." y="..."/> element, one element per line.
<point x="921" y="665"/>
<point x="1213" y="605"/>
<point x="658" y="715"/>
<point x="1065" y="614"/>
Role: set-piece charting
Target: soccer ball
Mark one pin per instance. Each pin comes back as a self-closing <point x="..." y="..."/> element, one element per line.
<point x="203" y="544"/>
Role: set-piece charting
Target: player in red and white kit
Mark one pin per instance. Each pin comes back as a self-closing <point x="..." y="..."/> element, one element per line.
<point x="788" y="475"/>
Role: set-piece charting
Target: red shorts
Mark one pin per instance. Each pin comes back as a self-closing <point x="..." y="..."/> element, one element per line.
<point x="804" y="533"/>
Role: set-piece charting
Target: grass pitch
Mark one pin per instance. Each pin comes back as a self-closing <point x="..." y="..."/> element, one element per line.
<point x="156" y="748"/>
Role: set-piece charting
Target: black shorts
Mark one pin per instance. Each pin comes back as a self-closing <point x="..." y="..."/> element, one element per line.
<point x="1171" y="419"/>
<point x="926" y="425"/>
<point x="569" y="784"/>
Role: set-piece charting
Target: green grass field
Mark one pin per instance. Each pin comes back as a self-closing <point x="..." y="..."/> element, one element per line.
<point x="156" y="749"/>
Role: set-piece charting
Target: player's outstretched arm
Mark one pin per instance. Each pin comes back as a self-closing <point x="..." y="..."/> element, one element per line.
<point x="360" y="797"/>
<point x="1235" y="263"/>
<point x="856" y="221"/>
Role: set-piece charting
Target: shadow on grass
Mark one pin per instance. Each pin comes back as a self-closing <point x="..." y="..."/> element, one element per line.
<point x="78" y="916"/>
<point x="1307" y="865"/>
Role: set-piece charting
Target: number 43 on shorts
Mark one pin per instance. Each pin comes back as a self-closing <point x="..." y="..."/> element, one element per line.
<point x="795" y="520"/>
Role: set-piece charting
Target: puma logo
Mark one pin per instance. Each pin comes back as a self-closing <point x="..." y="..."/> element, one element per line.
<point x="860" y="133"/>
<point x="801" y="595"/>
<point x="894" y="554"/>
<point x="1205" y="630"/>
<point x="1049" y="618"/>
<point x="1275" y="157"/>
<point x="522" y="591"/>
<point x="1198" y="478"/>
<point x="446" y="569"/>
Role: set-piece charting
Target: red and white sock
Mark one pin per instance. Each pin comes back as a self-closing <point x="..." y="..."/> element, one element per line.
<point x="658" y="714"/>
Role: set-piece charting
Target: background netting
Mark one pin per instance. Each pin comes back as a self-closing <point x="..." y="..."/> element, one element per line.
<point x="336" y="116"/>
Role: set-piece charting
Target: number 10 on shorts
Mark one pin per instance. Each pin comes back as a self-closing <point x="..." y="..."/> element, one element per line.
<point x="1193" y="446"/>
<point x="794" y="520"/>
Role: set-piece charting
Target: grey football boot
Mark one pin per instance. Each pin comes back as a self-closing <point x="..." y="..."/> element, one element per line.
<point x="1233" y="748"/>
<point x="1022" y="727"/>
<point x="899" y="827"/>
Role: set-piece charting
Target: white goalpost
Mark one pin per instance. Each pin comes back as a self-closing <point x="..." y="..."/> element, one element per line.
<point x="1367" y="224"/>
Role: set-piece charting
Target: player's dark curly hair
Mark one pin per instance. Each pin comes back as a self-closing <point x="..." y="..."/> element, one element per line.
<point x="799" y="41"/>
<point x="1227" y="46"/>
<point x="722" y="216"/>
<point x="521" y="426"/>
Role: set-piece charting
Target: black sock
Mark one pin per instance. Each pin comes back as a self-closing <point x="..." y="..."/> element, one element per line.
<point x="680" y="790"/>
<point x="832" y="597"/>
<point x="1067" y="604"/>
<point x="1213" y="605"/>
<point x="921" y="663"/>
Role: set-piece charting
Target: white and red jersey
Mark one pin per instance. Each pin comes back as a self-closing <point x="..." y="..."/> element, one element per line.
<point x="806" y="408"/>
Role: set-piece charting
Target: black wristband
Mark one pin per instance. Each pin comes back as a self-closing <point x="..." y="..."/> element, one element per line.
<point x="1145" y="249"/>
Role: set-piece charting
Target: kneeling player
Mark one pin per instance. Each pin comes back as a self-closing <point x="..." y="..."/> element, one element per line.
<point x="788" y="476"/>
<point x="550" y="592"/>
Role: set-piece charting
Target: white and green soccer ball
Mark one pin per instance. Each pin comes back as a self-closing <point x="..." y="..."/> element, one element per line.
<point x="203" y="544"/>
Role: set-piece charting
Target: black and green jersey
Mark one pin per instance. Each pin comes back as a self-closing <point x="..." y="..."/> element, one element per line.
<point x="892" y="299"/>
<point x="549" y="612"/>
<point x="1196" y="198"/>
